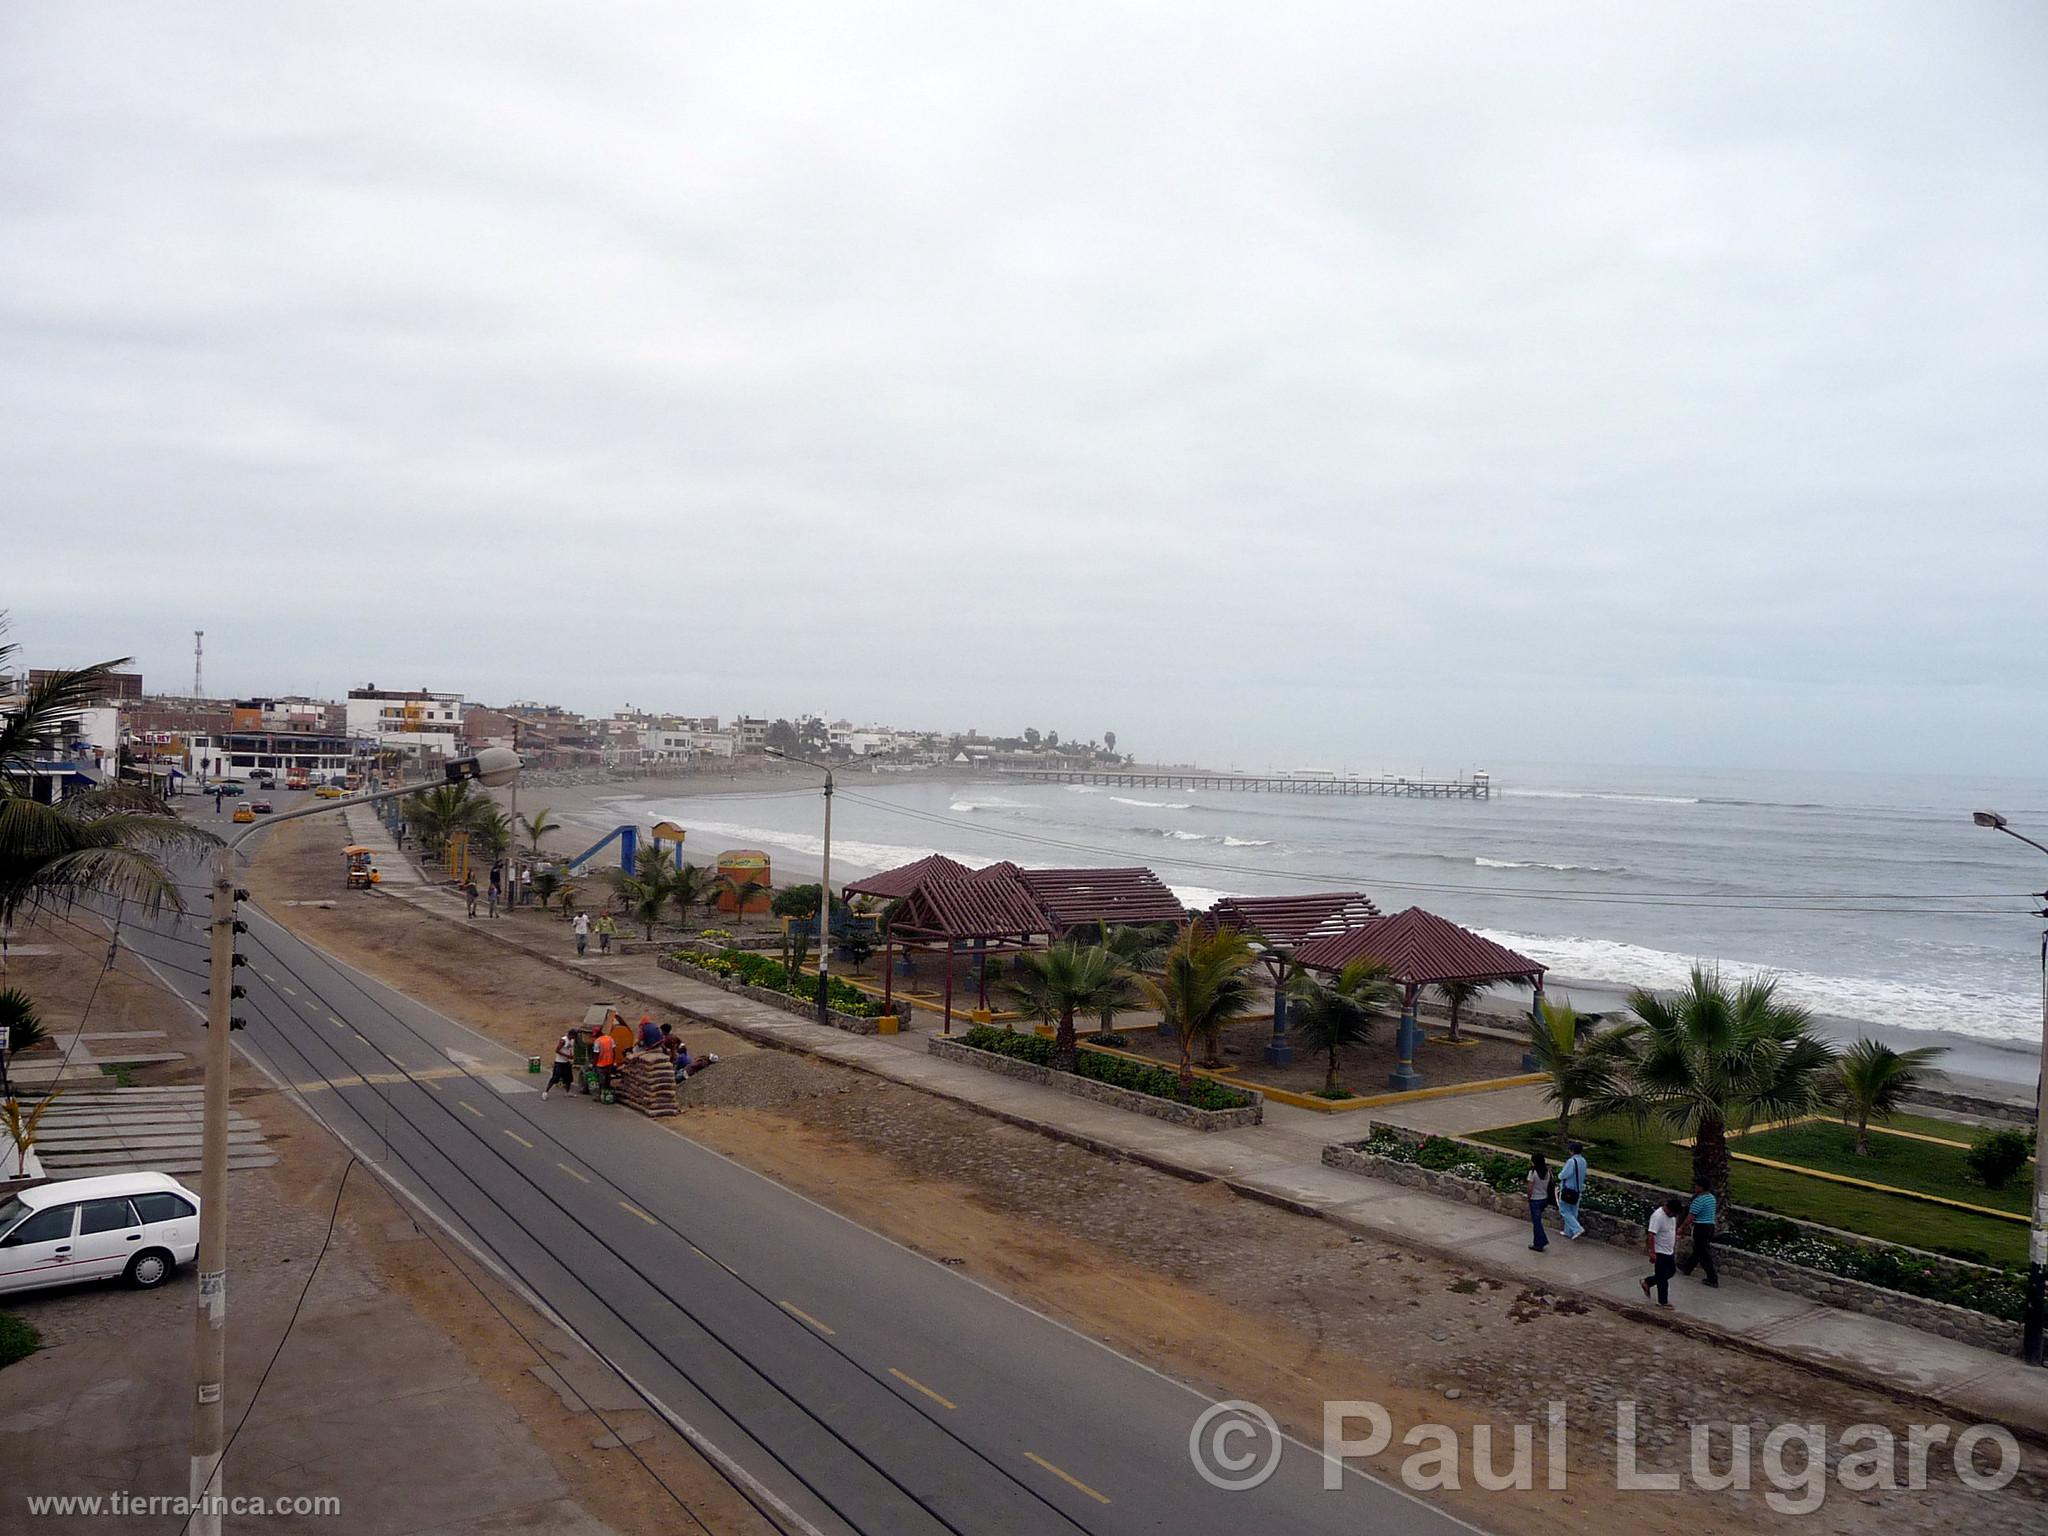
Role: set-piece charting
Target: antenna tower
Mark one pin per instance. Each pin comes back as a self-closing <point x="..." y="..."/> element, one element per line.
<point x="198" y="658"/>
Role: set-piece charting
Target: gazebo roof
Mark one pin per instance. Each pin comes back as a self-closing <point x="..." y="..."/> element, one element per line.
<point x="1072" y="897"/>
<point x="1289" y="922"/>
<point x="891" y="884"/>
<point x="989" y="904"/>
<point x="1421" y="949"/>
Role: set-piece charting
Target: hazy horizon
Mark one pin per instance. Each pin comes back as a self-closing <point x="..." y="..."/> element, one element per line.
<point x="1356" y="386"/>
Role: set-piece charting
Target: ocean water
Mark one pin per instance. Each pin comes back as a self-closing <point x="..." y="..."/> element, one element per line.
<point x="1872" y="897"/>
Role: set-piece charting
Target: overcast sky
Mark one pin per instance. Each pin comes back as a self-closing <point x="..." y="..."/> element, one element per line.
<point x="1379" y="385"/>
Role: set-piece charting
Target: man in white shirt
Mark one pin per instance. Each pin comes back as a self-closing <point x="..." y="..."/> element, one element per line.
<point x="1662" y="1249"/>
<point x="582" y="932"/>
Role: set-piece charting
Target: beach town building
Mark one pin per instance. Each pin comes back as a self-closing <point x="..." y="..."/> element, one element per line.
<point x="83" y="753"/>
<point x="408" y="723"/>
<point x="752" y="731"/>
<point x="282" y="737"/>
<point x="115" y="687"/>
<point x="683" y="743"/>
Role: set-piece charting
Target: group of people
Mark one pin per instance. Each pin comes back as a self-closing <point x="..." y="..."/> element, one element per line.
<point x="604" y="925"/>
<point x="605" y="1059"/>
<point x="1669" y="1222"/>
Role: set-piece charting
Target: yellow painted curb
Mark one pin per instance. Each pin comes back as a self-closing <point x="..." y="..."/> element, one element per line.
<point x="1325" y="1106"/>
<point x="1450" y="1090"/>
<point x="1882" y="1189"/>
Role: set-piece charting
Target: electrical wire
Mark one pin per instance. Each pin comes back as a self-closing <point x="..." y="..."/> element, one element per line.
<point x="768" y="1301"/>
<point x="497" y="1153"/>
<point x="1785" y="902"/>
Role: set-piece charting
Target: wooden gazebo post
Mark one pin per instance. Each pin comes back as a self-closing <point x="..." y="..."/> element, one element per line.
<point x="1529" y="1061"/>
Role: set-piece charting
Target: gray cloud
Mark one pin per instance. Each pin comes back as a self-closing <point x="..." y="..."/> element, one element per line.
<point x="1396" y="384"/>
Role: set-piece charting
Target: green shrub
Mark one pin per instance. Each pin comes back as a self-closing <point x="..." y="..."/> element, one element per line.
<point x="1138" y="1076"/>
<point x="18" y="1339"/>
<point x="19" y="1014"/>
<point x="773" y="976"/>
<point x="1995" y="1156"/>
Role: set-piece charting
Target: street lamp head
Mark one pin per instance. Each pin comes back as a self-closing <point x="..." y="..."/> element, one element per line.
<point x="1988" y="819"/>
<point x="775" y="752"/>
<point x="494" y="767"/>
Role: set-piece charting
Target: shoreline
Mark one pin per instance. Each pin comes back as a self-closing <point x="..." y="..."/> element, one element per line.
<point x="1971" y="1065"/>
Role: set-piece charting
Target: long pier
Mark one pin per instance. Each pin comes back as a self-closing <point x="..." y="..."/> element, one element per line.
<point x="1478" y="787"/>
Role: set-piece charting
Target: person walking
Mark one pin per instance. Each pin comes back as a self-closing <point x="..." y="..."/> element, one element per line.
<point x="1571" y="1189"/>
<point x="497" y="885"/>
<point x="219" y="794"/>
<point x="469" y="891"/>
<point x="1539" y="1196"/>
<point x="1699" y="1221"/>
<point x="491" y="896"/>
<point x="565" y="1066"/>
<point x="1661" y="1248"/>
<point x="526" y="885"/>
<point x="582" y="932"/>
<point x="605" y="929"/>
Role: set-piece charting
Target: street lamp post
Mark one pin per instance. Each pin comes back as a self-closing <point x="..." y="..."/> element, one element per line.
<point x="2032" y="1345"/>
<point x="824" y="890"/>
<point x="492" y="766"/>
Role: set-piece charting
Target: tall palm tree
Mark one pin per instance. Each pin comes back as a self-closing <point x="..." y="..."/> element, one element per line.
<point x="1332" y="1016"/>
<point x="1712" y="1058"/>
<point x="1204" y="981"/>
<point x="1872" y="1082"/>
<point x="1053" y="985"/>
<point x="111" y="840"/>
<point x="690" y="886"/>
<point x="1584" y="1063"/>
<point x="538" y="826"/>
<point x="1137" y="948"/>
<point x="438" y="814"/>
<point x="1457" y="995"/>
<point x="648" y="888"/>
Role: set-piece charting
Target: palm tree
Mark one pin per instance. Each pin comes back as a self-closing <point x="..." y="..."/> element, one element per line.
<point x="1332" y="1016"/>
<point x="1873" y="1079"/>
<point x="1457" y="995"/>
<point x="1338" y="1014"/>
<point x="1712" y="1058"/>
<point x="1053" y="985"/>
<point x="109" y="840"/>
<point x="1137" y="948"/>
<point x="738" y="886"/>
<point x="546" y="882"/>
<point x="438" y="814"/>
<point x="20" y="1024"/>
<point x="647" y="890"/>
<point x="1584" y="1063"/>
<point x="1204" y="981"/>
<point x="491" y="834"/>
<point x="537" y="826"/>
<point x="690" y="886"/>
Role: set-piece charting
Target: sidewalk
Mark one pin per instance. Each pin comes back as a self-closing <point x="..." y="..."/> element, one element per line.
<point x="1280" y="1162"/>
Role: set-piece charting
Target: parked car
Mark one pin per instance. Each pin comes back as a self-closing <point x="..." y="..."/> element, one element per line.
<point x="263" y="778"/>
<point x="137" y="1226"/>
<point x="245" y="813"/>
<point x="225" y="786"/>
<point x="328" y="792"/>
<point x="261" y="807"/>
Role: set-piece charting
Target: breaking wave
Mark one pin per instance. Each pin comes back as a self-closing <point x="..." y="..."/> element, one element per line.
<point x="1593" y="794"/>
<point x="1590" y="869"/>
<point x="1156" y="805"/>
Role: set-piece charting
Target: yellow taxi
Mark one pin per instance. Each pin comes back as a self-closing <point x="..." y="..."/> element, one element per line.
<point x="244" y="813"/>
<point x="327" y="792"/>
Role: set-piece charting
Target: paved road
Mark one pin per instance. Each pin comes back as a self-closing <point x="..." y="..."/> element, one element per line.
<point x="869" y="1389"/>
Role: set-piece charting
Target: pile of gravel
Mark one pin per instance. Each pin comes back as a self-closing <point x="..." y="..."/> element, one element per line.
<point x="759" y="1080"/>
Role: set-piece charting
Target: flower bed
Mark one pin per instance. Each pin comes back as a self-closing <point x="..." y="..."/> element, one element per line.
<point x="1972" y="1302"/>
<point x="731" y="976"/>
<point x="1106" y="1079"/>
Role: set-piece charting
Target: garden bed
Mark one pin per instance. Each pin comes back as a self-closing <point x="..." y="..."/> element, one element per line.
<point x="1104" y="1078"/>
<point x="851" y="1010"/>
<point x="1973" y="1303"/>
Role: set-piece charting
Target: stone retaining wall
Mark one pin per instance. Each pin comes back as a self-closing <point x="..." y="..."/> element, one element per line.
<point x="2004" y="1110"/>
<point x="1936" y="1317"/>
<point x="851" y="1023"/>
<point x="1253" y="1113"/>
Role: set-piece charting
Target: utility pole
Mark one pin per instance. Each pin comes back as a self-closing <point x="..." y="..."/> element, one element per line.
<point x="2034" y="1324"/>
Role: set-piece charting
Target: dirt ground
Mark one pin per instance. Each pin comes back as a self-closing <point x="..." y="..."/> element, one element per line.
<point x="1363" y="1069"/>
<point x="1238" y="1298"/>
<point x="278" y="1223"/>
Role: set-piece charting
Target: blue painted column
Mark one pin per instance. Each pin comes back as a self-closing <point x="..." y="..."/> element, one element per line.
<point x="1404" y="1076"/>
<point x="1529" y="1061"/>
<point x="1279" y="1053"/>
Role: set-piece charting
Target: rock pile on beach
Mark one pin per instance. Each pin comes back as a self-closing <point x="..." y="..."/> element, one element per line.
<point x="759" y="1080"/>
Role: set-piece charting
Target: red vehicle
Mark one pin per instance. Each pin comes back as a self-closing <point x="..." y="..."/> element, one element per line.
<point x="298" y="778"/>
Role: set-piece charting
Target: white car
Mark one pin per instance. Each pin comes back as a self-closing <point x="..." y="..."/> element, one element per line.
<point x="139" y="1226"/>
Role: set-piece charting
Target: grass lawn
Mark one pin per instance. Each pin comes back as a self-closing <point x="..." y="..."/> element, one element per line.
<point x="18" y="1339"/>
<point x="1614" y="1147"/>
<point x="1933" y="1170"/>
<point x="1944" y="1130"/>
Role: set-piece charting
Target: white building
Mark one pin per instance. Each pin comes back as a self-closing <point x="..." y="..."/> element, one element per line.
<point x="674" y="744"/>
<point x="413" y="720"/>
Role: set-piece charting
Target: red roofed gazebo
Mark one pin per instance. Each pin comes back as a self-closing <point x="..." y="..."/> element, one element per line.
<point x="1075" y="898"/>
<point x="894" y="884"/>
<point x="1421" y="949"/>
<point x="1281" y="925"/>
<point x="987" y="909"/>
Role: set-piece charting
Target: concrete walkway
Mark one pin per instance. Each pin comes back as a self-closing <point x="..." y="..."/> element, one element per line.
<point x="1281" y="1162"/>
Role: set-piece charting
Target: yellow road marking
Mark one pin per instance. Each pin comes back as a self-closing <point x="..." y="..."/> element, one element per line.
<point x="573" y="1173"/>
<point x="797" y="1311"/>
<point x="640" y="1213"/>
<point x="1883" y="1189"/>
<point x="471" y="1108"/>
<point x="912" y="1381"/>
<point x="287" y="991"/>
<point x="521" y="1140"/>
<point x="336" y="1022"/>
<point x="1066" y="1477"/>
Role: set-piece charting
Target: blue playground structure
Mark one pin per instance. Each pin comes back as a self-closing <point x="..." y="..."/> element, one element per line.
<point x="627" y="836"/>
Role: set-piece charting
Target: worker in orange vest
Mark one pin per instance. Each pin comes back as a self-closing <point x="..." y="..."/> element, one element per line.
<point x="605" y="1056"/>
